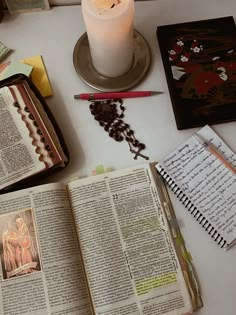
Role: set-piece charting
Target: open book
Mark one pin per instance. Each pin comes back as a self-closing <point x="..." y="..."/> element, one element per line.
<point x="30" y="140"/>
<point x="108" y="244"/>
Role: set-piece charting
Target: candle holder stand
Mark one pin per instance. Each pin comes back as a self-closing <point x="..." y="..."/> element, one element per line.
<point x="84" y="67"/>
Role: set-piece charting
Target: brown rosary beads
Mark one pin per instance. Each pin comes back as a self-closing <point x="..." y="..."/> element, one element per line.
<point x="110" y="114"/>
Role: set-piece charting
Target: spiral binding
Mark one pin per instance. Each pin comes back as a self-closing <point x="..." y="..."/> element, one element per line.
<point x="192" y="209"/>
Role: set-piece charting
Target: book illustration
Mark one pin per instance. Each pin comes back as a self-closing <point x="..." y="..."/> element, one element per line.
<point x="22" y="6"/>
<point x="14" y="67"/>
<point x="200" y="64"/>
<point x="39" y="74"/>
<point x="19" y="249"/>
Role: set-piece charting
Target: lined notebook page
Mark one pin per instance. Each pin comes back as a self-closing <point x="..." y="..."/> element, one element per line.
<point x="204" y="184"/>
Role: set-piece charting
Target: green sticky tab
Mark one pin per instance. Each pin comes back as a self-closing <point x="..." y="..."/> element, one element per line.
<point x="99" y="169"/>
<point x="187" y="256"/>
<point x="179" y="239"/>
<point x="17" y="67"/>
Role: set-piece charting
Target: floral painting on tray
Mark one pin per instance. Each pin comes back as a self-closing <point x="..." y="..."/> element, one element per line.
<point x="200" y="63"/>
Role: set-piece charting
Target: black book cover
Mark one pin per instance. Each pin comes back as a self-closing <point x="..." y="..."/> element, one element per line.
<point x="199" y="59"/>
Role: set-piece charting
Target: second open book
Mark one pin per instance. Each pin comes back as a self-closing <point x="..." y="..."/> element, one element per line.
<point x="108" y="244"/>
<point x="31" y="143"/>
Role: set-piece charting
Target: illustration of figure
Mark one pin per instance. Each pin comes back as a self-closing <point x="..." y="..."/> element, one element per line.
<point x="10" y="243"/>
<point x="19" y="254"/>
<point x="24" y="240"/>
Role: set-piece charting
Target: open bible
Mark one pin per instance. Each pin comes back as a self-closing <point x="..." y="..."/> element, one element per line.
<point x="107" y="244"/>
<point x="31" y="143"/>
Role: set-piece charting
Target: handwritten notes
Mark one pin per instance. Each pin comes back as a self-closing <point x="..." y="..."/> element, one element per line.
<point x="205" y="181"/>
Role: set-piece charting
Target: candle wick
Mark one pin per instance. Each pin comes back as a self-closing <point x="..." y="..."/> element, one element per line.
<point x="113" y="5"/>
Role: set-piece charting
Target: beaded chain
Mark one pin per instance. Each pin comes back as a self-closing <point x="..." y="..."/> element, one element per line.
<point x="110" y="114"/>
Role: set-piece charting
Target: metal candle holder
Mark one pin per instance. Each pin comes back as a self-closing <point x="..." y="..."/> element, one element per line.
<point x="84" y="67"/>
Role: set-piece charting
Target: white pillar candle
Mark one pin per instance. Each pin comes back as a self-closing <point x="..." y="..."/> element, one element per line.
<point x="109" y="25"/>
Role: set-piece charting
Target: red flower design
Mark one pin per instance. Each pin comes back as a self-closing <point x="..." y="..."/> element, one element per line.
<point x="206" y="80"/>
<point x="219" y="64"/>
<point x="190" y="68"/>
<point x="194" y="44"/>
<point x="232" y="65"/>
<point x="178" y="48"/>
<point x="173" y="57"/>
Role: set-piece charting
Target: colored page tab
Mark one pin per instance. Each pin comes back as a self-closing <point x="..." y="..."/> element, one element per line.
<point x="17" y="67"/>
<point x="39" y="75"/>
<point x="3" y="68"/>
<point x="99" y="169"/>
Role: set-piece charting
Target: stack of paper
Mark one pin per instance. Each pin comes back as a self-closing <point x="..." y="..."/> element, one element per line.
<point x="39" y="75"/>
<point x="32" y="67"/>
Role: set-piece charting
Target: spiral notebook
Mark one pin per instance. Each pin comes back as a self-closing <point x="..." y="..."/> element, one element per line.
<point x="204" y="184"/>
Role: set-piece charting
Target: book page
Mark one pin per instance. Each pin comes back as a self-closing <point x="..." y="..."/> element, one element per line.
<point x="18" y="157"/>
<point x="128" y="254"/>
<point x="41" y="269"/>
<point x="48" y="128"/>
<point x="206" y="181"/>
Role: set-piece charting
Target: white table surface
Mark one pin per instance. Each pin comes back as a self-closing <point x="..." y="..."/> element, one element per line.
<point x="53" y="35"/>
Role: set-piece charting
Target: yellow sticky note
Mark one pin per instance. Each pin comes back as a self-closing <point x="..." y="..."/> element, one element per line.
<point x="39" y="75"/>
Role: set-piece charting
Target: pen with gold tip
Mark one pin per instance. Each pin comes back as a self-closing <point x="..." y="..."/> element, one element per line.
<point x="112" y="95"/>
<point x="209" y="147"/>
